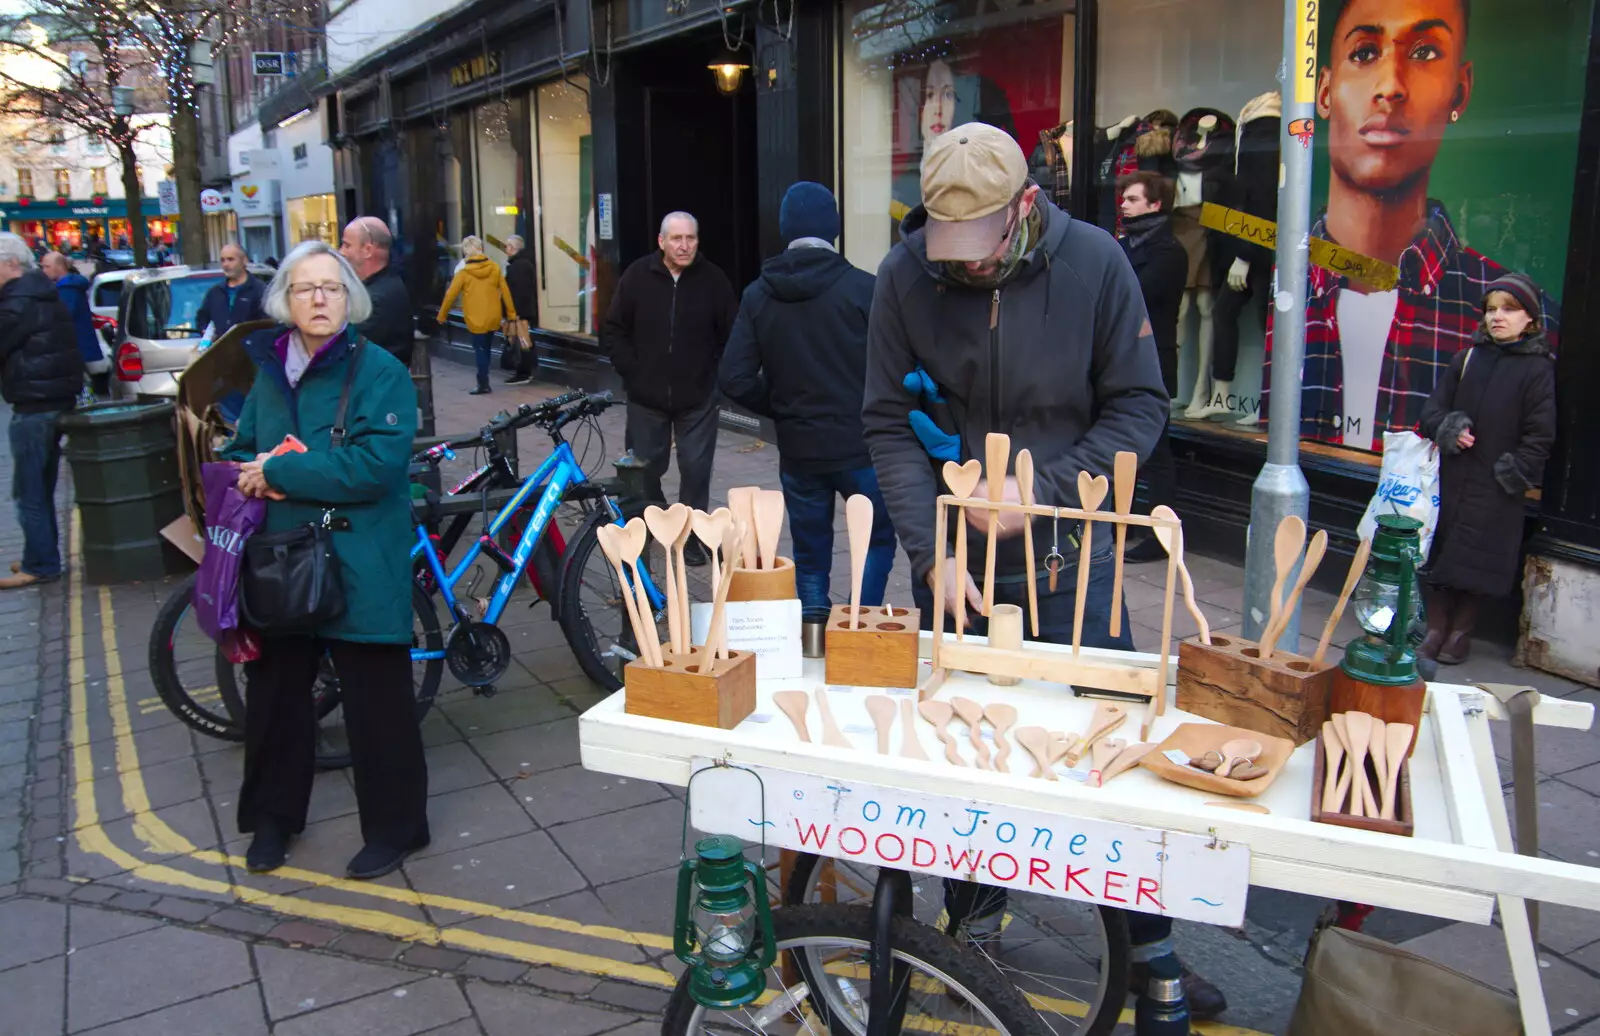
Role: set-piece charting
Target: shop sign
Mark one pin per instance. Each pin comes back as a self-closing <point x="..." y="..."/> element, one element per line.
<point x="480" y="67"/>
<point x="67" y="209"/>
<point x="167" y="197"/>
<point x="605" y="216"/>
<point x="252" y="198"/>
<point x="212" y="201"/>
<point x="267" y="62"/>
<point x="1100" y="862"/>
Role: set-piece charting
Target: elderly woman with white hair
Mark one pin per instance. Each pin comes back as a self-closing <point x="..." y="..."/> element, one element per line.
<point x="485" y="303"/>
<point x="359" y="489"/>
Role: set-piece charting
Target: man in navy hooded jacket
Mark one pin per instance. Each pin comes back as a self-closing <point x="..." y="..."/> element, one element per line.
<point x="798" y="354"/>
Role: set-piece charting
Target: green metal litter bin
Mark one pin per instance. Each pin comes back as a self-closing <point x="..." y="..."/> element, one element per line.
<point x="124" y="459"/>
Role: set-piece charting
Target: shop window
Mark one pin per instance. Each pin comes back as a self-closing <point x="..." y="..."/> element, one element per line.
<point x="312" y="218"/>
<point x="1189" y="89"/>
<point x="97" y="182"/>
<point x="501" y="167"/>
<point x="910" y="72"/>
<point x="25" y="183"/>
<point x="63" y="183"/>
<point x="97" y="145"/>
<point x="566" y="218"/>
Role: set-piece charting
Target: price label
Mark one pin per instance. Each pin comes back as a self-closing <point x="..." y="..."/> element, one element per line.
<point x="1305" y="59"/>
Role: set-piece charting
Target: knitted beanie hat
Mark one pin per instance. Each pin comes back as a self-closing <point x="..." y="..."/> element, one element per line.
<point x="808" y="210"/>
<point x="1520" y="287"/>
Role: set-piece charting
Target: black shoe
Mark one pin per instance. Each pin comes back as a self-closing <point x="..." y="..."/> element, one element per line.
<point x="268" y="849"/>
<point x="1147" y="549"/>
<point x="374" y="861"/>
<point x="481" y="390"/>
<point x="520" y="379"/>
<point x="694" y="554"/>
<point x="1205" y="1000"/>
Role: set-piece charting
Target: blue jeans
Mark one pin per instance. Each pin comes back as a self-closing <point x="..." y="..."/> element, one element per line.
<point x="483" y="351"/>
<point x="971" y="903"/>
<point x="35" y="459"/>
<point x="810" y="499"/>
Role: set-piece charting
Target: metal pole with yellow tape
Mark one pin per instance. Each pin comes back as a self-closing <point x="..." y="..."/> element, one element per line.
<point x="1281" y="490"/>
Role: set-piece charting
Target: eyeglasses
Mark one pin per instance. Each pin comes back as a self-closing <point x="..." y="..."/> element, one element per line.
<point x="303" y="292"/>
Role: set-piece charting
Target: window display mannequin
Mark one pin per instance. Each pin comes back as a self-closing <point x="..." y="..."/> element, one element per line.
<point x="1203" y="149"/>
<point x="1132" y="145"/>
<point x="1050" y="165"/>
<point x="1249" y="273"/>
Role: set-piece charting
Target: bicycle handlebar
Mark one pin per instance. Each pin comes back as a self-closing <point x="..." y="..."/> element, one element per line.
<point x="553" y="413"/>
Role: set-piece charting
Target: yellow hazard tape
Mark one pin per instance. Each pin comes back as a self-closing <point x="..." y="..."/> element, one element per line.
<point x="1375" y="273"/>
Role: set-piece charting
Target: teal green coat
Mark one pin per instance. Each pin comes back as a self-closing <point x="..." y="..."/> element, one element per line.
<point x="365" y="479"/>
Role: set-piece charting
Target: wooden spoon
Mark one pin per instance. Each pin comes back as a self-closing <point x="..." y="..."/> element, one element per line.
<point x="609" y="537"/>
<point x="1289" y="540"/>
<point x="794" y="705"/>
<point x="683" y="513"/>
<point x="1037" y="741"/>
<point x="1341" y="793"/>
<point x="1002" y="717"/>
<point x="1065" y="747"/>
<point x="858" y="522"/>
<point x="1091" y="494"/>
<point x="769" y="525"/>
<point x="1398" y="743"/>
<point x="1358" y="565"/>
<point x="1308" y="568"/>
<point x="1333" y="756"/>
<point x="1239" y="750"/>
<point x="910" y="745"/>
<point x="742" y="502"/>
<point x="1107" y="718"/>
<point x="938" y="713"/>
<point x="711" y="529"/>
<point x="1025" y="491"/>
<point x="716" y="632"/>
<point x="1126" y="760"/>
<point x="831" y="734"/>
<point x="971" y="714"/>
<point x="1359" y="726"/>
<point x="1172" y="542"/>
<point x="962" y="479"/>
<point x="1377" y="747"/>
<point x="1104" y="753"/>
<point x="881" y="708"/>
<point x="1125" y="471"/>
<point x="632" y="543"/>
<point x="997" y="455"/>
<point x="665" y="528"/>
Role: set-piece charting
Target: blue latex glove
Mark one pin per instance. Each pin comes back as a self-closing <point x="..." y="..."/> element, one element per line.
<point x="941" y="445"/>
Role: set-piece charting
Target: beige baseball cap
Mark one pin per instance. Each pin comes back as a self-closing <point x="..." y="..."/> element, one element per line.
<point x="969" y="177"/>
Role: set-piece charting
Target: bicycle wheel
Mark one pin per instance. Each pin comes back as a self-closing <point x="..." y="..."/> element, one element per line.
<point x="191" y="675"/>
<point x="1069" y="958"/>
<point x="950" y="989"/>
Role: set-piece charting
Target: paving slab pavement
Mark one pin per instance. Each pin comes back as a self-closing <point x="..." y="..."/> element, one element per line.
<point x="543" y="905"/>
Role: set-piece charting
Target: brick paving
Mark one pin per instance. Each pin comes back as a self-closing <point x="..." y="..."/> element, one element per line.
<point x="543" y="905"/>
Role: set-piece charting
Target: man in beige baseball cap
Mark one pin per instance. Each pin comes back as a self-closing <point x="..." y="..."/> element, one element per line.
<point x="973" y="182"/>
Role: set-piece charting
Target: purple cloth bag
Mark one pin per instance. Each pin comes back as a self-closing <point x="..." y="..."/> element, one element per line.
<point x="230" y="519"/>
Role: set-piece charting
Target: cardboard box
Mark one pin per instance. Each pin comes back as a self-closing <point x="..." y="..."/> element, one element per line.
<point x="215" y="374"/>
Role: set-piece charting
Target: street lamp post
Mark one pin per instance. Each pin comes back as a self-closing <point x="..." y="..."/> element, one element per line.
<point x="1281" y="490"/>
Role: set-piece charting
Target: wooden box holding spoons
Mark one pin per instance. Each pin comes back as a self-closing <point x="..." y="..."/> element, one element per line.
<point x="721" y="696"/>
<point x="880" y="652"/>
<point x="1228" y="681"/>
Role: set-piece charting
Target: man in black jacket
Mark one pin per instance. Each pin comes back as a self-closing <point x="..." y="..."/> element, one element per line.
<point x="666" y="329"/>
<point x="1033" y="325"/>
<point x="798" y="354"/>
<point x="41" y="374"/>
<point x="237" y="299"/>
<point x="523" y="282"/>
<point x="1162" y="266"/>
<point x="366" y="243"/>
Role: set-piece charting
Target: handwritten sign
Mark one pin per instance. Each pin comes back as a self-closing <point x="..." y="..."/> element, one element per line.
<point x="1331" y="257"/>
<point x="771" y="629"/>
<point x="1305" y="54"/>
<point x="1091" y="861"/>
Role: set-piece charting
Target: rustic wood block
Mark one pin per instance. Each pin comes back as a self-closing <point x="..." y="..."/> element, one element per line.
<point x="1390" y="704"/>
<point x="1229" y="682"/>
<point x="763" y="584"/>
<point x="1402" y="824"/>
<point x="882" y="653"/>
<point x="678" y="691"/>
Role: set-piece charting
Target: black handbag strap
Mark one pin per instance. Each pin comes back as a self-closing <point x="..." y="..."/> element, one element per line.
<point x="338" y="434"/>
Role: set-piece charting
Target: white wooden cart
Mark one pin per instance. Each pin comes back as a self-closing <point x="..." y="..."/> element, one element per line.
<point x="1460" y="865"/>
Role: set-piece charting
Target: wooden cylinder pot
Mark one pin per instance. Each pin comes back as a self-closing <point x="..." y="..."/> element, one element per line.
<point x="764" y="584"/>
<point x="1005" y="631"/>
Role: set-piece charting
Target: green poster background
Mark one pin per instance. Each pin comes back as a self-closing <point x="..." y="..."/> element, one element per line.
<point x="1505" y="171"/>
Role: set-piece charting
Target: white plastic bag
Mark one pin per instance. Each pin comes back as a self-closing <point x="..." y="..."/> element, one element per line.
<point x="1408" y="484"/>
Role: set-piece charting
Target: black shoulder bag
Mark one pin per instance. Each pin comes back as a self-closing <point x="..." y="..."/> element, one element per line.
<point x="291" y="581"/>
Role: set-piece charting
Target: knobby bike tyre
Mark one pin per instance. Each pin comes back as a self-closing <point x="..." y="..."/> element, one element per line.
<point x="1100" y="1003"/>
<point x="818" y="937"/>
<point x="588" y="645"/>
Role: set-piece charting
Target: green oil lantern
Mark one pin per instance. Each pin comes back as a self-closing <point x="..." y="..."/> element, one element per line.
<point x="1386" y="604"/>
<point x="723" y="929"/>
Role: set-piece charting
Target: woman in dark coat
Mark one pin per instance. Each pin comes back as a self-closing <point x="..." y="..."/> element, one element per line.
<point x="1493" y="416"/>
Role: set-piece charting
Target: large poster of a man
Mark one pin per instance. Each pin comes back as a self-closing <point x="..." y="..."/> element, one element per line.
<point x="1398" y="123"/>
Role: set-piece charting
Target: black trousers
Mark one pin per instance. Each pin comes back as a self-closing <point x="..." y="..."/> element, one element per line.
<point x="1230" y="307"/>
<point x="380" y="718"/>
<point x="651" y="434"/>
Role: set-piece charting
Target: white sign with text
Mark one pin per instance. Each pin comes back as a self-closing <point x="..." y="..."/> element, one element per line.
<point x="1175" y="874"/>
<point x="771" y="629"/>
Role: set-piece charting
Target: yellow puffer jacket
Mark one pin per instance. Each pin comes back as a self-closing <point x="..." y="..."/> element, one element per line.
<point x="483" y="291"/>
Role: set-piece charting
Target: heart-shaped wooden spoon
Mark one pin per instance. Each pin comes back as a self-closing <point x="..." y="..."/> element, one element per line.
<point x="938" y="713"/>
<point x="971" y="714"/>
<point x="632" y="543"/>
<point x="609" y="537"/>
<point x="910" y="745"/>
<point x="881" y="708"/>
<point x="1002" y="717"/>
<point x="1037" y="741"/>
<point x="711" y="529"/>
<point x="1091" y="494"/>
<point x="666" y="526"/>
<point x="963" y="481"/>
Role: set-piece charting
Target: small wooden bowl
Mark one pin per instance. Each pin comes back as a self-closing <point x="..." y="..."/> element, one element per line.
<point x="1196" y="739"/>
<point x="1402" y="825"/>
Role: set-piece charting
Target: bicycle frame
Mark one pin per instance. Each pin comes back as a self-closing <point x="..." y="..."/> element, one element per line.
<point x="559" y="472"/>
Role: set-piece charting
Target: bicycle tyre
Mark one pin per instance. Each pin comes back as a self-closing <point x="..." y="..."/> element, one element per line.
<point x="921" y="946"/>
<point x="576" y="625"/>
<point x="180" y="701"/>
<point x="1100" y="1018"/>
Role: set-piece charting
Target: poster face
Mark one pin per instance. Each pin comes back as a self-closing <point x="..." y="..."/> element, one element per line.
<point x="1445" y="141"/>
